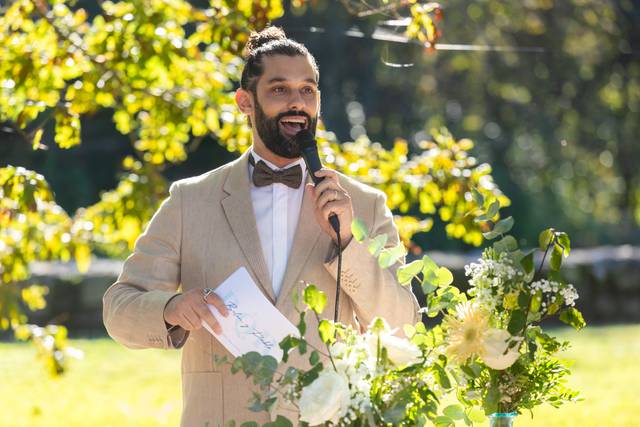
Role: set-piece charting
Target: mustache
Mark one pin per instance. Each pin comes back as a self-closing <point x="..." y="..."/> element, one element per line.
<point x="294" y="113"/>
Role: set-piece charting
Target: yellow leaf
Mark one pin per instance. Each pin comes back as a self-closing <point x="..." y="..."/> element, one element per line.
<point x="37" y="138"/>
<point x="130" y="230"/>
<point x="212" y="120"/>
<point x="83" y="258"/>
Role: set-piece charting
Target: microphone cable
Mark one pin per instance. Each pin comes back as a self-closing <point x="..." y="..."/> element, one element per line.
<point x="337" y="306"/>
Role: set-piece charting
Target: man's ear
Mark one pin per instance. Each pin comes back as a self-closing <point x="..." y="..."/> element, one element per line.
<point x="244" y="99"/>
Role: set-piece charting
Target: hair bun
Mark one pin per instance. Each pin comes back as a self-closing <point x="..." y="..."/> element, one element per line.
<point x="265" y="36"/>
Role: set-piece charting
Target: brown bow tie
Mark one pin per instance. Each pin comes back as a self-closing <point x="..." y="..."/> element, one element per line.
<point x="263" y="175"/>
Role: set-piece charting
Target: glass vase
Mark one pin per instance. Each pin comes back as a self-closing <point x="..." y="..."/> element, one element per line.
<point x="502" y="419"/>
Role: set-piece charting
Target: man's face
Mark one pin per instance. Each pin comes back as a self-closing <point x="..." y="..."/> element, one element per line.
<point x="287" y="100"/>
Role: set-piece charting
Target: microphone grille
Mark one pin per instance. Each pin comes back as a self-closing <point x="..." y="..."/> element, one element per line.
<point x="305" y="139"/>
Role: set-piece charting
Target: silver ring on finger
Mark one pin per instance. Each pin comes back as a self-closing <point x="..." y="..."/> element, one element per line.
<point x="206" y="292"/>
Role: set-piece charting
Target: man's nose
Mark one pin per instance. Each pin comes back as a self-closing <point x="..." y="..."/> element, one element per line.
<point x="295" y="101"/>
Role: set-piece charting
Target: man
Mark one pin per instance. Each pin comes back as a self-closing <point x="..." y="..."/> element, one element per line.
<point x="237" y="216"/>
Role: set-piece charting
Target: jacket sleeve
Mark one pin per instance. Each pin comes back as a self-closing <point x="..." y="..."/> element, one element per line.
<point x="373" y="290"/>
<point x="133" y="307"/>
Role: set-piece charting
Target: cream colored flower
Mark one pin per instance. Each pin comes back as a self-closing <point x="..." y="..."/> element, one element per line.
<point x="496" y="343"/>
<point x="400" y="351"/>
<point x="325" y="399"/>
<point x="465" y="332"/>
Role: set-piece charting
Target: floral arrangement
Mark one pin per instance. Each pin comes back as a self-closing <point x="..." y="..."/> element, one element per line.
<point x="505" y="361"/>
<point x="357" y="379"/>
<point x="489" y="351"/>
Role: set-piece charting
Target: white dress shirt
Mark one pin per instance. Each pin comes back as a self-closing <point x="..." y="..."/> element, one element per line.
<point x="277" y="209"/>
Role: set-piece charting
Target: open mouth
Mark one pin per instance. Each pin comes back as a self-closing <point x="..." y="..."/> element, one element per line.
<point x="291" y="125"/>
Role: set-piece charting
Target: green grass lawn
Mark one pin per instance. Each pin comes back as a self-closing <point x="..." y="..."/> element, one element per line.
<point x="114" y="386"/>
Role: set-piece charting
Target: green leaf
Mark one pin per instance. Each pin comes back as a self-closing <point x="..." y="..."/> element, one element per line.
<point x="326" y="330"/>
<point x="302" y="347"/>
<point x="527" y="262"/>
<point x="504" y="225"/>
<point x="388" y="257"/>
<point x="314" y="298"/>
<point x="480" y="218"/>
<point x="395" y="413"/>
<point x="455" y="412"/>
<point x="287" y="344"/>
<point x="545" y="238"/>
<point x="468" y="371"/>
<point x="302" y="325"/>
<point x="359" y="229"/>
<point x="493" y="209"/>
<point x="279" y="422"/>
<point x="476" y="415"/>
<point x="441" y="376"/>
<point x="290" y="375"/>
<point x="563" y="240"/>
<point x="429" y="264"/>
<point x="573" y="317"/>
<point x="428" y="287"/>
<point x="523" y="300"/>
<point x="490" y="401"/>
<point x="314" y="357"/>
<point x="407" y="272"/>
<point x="264" y="371"/>
<point x="506" y="244"/>
<point x="444" y="277"/>
<point x="310" y="376"/>
<point x="409" y="330"/>
<point x="443" y="421"/>
<point x="477" y="197"/>
<point x="490" y="235"/>
<point x="517" y="322"/>
<point x="377" y="244"/>
<point x="536" y="302"/>
<point x="556" y="258"/>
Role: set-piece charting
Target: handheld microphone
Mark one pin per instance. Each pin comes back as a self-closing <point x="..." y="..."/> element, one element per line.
<point x="309" y="149"/>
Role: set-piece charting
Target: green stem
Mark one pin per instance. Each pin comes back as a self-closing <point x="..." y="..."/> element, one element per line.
<point x="528" y="309"/>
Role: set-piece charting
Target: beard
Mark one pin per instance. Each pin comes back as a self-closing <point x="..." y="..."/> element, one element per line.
<point x="269" y="131"/>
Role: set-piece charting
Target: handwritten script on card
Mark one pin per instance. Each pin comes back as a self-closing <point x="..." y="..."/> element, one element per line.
<point x="253" y="324"/>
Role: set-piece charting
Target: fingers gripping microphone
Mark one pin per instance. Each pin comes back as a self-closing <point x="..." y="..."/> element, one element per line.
<point x="309" y="148"/>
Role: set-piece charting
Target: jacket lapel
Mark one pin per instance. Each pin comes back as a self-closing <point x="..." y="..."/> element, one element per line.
<point x="307" y="233"/>
<point x="238" y="209"/>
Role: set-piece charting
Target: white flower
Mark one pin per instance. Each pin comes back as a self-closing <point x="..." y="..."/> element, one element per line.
<point x="401" y="351"/>
<point x="465" y="332"/>
<point x="325" y="399"/>
<point x="338" y="349"/>
<point x="496" y="342"/>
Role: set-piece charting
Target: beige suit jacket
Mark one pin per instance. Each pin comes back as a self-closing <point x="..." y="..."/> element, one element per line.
<point x="203" y="232"/>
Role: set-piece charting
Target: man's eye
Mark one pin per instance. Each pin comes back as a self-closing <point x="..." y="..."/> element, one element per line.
<point x="278" y="89"/>
<point x="308" y="90"/>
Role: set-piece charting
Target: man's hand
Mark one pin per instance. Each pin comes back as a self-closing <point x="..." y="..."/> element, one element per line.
<point x="188" y="309"/>
<point x="330" y="198"/>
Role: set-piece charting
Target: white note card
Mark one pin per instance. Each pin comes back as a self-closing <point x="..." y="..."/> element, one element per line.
<point x="253" y="323"/>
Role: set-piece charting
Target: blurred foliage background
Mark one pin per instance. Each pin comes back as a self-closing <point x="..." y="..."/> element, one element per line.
<point x="535" y="103"/>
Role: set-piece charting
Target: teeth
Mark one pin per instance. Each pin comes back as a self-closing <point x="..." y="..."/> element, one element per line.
<point x="294" y="120"/>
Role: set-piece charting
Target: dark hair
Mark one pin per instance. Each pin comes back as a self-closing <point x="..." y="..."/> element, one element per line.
<point x="268" y="42"/>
